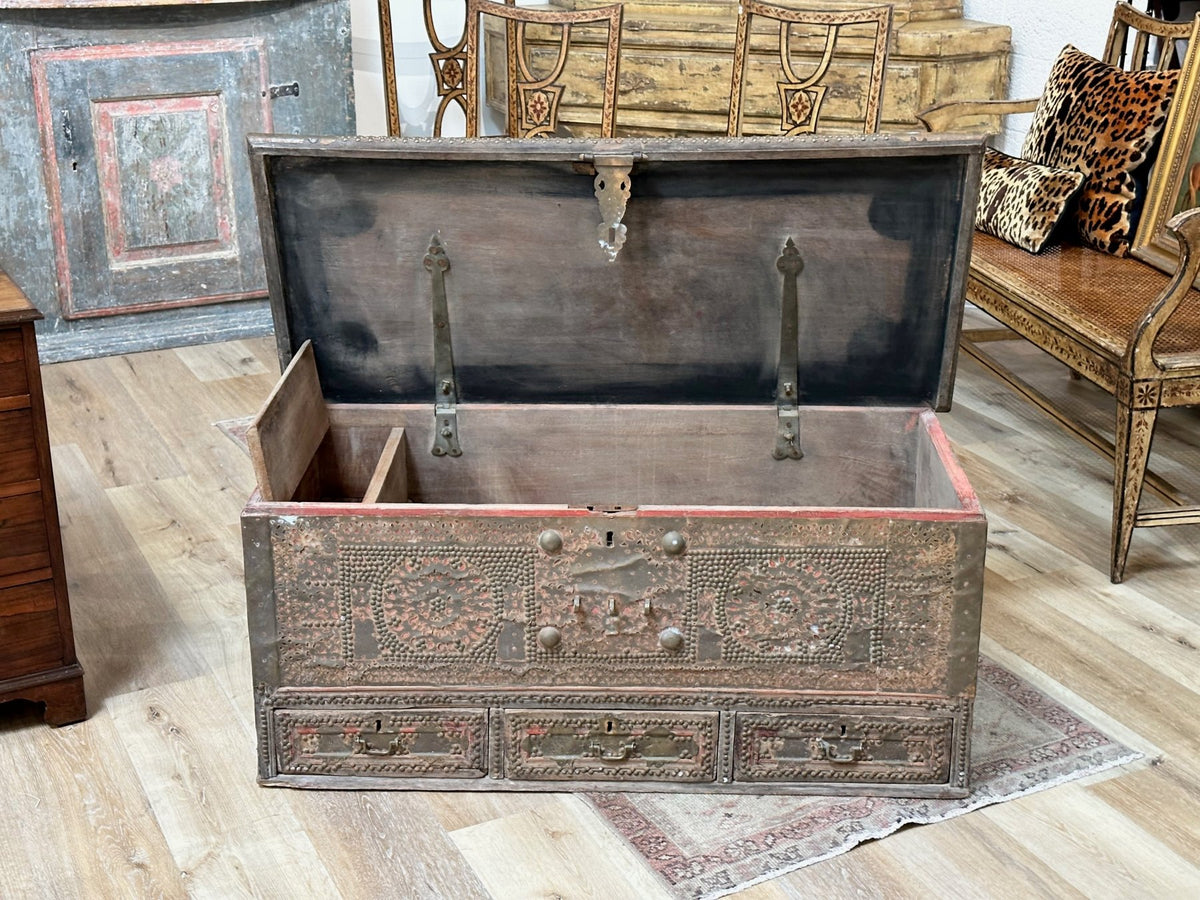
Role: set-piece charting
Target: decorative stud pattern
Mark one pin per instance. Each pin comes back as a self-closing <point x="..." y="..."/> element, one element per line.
<point x="811" y="605"/>
<point x="847" y="605"/>
<point x="431" y="604"/>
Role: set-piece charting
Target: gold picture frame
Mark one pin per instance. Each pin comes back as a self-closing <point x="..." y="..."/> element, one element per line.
<point x="1175" y="179"/>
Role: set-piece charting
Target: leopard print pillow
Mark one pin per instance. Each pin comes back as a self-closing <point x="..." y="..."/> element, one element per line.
<point x="1022" y="202"/>
<point x="1104" y="122"/>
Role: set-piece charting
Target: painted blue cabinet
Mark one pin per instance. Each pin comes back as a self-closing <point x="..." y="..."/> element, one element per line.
<point x="126" y="212"/>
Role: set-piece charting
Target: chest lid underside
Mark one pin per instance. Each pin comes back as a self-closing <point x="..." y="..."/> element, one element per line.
<point x="627" y="271"/>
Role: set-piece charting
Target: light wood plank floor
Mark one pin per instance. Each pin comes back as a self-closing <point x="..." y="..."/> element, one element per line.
<point x="155" y="796"/>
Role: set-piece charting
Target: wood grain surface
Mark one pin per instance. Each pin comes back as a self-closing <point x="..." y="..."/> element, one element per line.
<point x="154" y="794"/>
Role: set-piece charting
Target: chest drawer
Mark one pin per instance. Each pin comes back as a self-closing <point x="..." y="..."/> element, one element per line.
<point x="13" y="380"/>
<point x="18" y="452"/>
<point x="29" y="634"/>
<point x="605" y="746"/>
<point x="388" y="743"/>
<point x="842" y="749"/>
<point x="24" y="544"/>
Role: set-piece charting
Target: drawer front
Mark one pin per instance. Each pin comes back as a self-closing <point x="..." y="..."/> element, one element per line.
<point x="573" y="745"/>
<point x="13" y="380"/>
<point x="388" y="743"/>
<point x="18" y="452"/>
<point x="23" y="542"/>
<point x="29" y="641"/>
<point x="27" y="598"/>
<point x="842" y="749"/>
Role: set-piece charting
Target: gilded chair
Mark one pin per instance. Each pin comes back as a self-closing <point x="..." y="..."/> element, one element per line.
<point x="1131" y="330"/>
<point x="449" y="66"/>
<point x="801" y="97"/>
<point x="533" y="98"/>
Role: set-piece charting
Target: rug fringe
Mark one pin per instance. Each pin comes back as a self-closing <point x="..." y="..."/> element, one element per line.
<point x="971" y="806"/>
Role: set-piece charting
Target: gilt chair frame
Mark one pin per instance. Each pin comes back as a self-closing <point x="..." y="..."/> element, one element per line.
<point x="812" y="88"/>
<point x="533" y="102"/>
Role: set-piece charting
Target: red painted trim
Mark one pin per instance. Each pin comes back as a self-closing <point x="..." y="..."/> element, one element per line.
<point x="412" y="510"/>
<point x="39" y="59"/>
<point x="106" y="112"/>
<point x="810" y="512"/>
<point x="58" y="227"/>
<point x="131" y="308"/>
<point x="139" y="50"/>
<point x="962" y="486"/>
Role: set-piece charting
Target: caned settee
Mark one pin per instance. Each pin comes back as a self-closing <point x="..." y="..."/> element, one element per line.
<point x="1116" y="321"/>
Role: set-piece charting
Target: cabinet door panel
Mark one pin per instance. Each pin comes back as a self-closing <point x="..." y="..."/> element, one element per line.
<point x="151" y="135"/>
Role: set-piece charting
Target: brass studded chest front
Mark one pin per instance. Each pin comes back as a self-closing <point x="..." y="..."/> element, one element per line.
<point x="614" y="465"/>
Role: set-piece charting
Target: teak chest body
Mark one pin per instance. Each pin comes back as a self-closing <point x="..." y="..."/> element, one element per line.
<point x="613" y="465"/>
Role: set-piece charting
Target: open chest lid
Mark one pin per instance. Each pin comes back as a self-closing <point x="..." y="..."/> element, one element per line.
<point x="732" y="271"/>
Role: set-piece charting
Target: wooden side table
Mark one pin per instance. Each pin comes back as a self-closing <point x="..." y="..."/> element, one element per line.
<point x="37" y="649"/>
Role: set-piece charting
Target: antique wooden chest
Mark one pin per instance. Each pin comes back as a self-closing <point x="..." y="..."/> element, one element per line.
<point x="613" y="465"/>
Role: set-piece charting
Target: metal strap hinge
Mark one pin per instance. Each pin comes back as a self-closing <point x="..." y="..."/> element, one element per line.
<point x="787" y="386"/>
<point x="445" y="410"/>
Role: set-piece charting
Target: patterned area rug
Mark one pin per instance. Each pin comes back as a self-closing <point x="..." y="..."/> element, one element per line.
<point x="708" y="846"/>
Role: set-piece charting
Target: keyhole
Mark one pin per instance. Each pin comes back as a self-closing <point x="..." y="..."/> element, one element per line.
<point x="608" y="539"/>
<point x="843" y="731"/>
<point x="608" y="727"/>
<point x="379" y="726"/>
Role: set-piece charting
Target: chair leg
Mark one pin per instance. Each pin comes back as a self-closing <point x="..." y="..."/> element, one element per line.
<point x="1135" y="432"/>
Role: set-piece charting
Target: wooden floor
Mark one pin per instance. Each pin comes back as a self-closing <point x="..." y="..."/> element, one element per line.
<point x="154" y="795"/>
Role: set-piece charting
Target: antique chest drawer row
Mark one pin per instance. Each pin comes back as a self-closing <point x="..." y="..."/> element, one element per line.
<point x="37" y="654"/>
<point x="650" y="748"/>
<point x="613" y="465"/>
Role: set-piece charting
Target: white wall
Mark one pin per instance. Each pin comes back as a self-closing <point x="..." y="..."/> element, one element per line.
<point x="1040" y="30"/>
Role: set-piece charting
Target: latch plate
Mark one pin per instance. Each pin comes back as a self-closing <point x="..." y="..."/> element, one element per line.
<point x="612" y="186"/>
<point x="284" y="90"/>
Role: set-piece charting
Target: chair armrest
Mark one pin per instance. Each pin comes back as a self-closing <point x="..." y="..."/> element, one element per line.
<point x="1139" y="357"/>
<point x="943" y="115"/>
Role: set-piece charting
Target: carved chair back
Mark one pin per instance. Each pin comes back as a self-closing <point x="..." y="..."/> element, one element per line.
<point x="1154" y="42"/>
<point x="449" y="66"/>
<point x="801" y="98"/>
<point x="534" y="98"/>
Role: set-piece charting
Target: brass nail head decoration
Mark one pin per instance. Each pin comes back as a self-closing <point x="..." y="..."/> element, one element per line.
<point x="671" y="640"/>
<point x="673" y="543"/>
<point x="550" y="541"/>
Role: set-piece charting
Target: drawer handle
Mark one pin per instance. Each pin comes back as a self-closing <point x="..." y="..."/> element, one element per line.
<point x="597" y="751"/>
<point x="395" y="748"/>
<point x="830" y="751"/>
